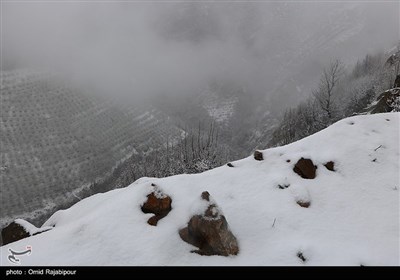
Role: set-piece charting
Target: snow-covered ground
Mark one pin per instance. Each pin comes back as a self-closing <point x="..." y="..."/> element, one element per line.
<point x="353" y="218"/>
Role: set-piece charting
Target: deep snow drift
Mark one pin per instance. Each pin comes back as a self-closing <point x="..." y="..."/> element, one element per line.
<point x="353" y="218"/>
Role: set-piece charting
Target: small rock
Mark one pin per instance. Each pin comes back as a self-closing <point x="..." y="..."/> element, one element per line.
<point x="330" y="165"/>
<point x="258" y="155"/>
<point x="283" y="186"/>
<point x="304" y="204"/>
<point x="288" y="160"/>
<point x="305" y="168"/>
<point x="210" y="232"/>
<point x="230" y="164"/>
<point x="157" y="203"/>
<point x="301" y="257"/>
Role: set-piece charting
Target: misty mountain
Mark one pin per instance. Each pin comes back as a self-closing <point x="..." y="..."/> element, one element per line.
<point x="55" y="140"/>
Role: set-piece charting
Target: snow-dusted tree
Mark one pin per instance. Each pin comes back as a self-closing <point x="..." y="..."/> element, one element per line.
<point x="201" y="150"/>
<point x="338" y="95"/>
<point x="286" y="131"/>
<point x="325" y="93"/>
<point x="198" y="151"/>
<point x="357" y="94"/>
<point x="298" y="123"/>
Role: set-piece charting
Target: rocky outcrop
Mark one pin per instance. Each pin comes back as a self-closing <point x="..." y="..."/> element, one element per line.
<point x="305" y="168"/>
<point x="388" y="101"/>
<point x="210" y="231"/>
<point x="258" y="155"/>
<point x="20" y="229"/>
<point x="157" y="203"/>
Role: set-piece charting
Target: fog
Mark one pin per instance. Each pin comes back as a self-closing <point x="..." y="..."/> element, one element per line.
<point x="142" y="49"/>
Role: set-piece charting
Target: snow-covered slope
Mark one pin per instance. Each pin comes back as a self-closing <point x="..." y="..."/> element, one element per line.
<point x="353" y="218"/>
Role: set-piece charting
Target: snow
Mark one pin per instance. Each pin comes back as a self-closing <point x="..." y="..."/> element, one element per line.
<point x="353" y="218"/>
<point x="31" y="229"/>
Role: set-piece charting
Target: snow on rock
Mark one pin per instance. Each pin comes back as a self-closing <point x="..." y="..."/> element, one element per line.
<point x="388" y="101"/>
<point x="157" y="203"/>
<point x="28" y="227"/>
<point x="353" y="218"/>
<point x="20" y="229"/>
<point x="301" y="195"/>
<point x="210" y="231"/>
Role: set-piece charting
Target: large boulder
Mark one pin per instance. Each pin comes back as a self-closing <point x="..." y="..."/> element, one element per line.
<point x="210" y="231"/>
<point x="305" y="168"/>
<point x="20" y="229"/>
<point x="157" y="203"/>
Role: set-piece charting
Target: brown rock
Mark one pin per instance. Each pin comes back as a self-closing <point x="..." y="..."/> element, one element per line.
<point x="330" y="165"/>
<point x="304" y="204"/>
<point x="153" y="220"/>
<point x="258" y="155"/>
<point x="210" y="232"/>
<point x="157" y="203"/>
<point x="15" y="231"/>
<point x="305" y="168"/>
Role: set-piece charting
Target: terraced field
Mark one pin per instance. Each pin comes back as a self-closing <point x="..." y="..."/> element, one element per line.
<point x="55" y="140"/>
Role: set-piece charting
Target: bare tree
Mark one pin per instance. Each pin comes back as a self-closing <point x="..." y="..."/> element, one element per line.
<point x="327" y="86"/>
